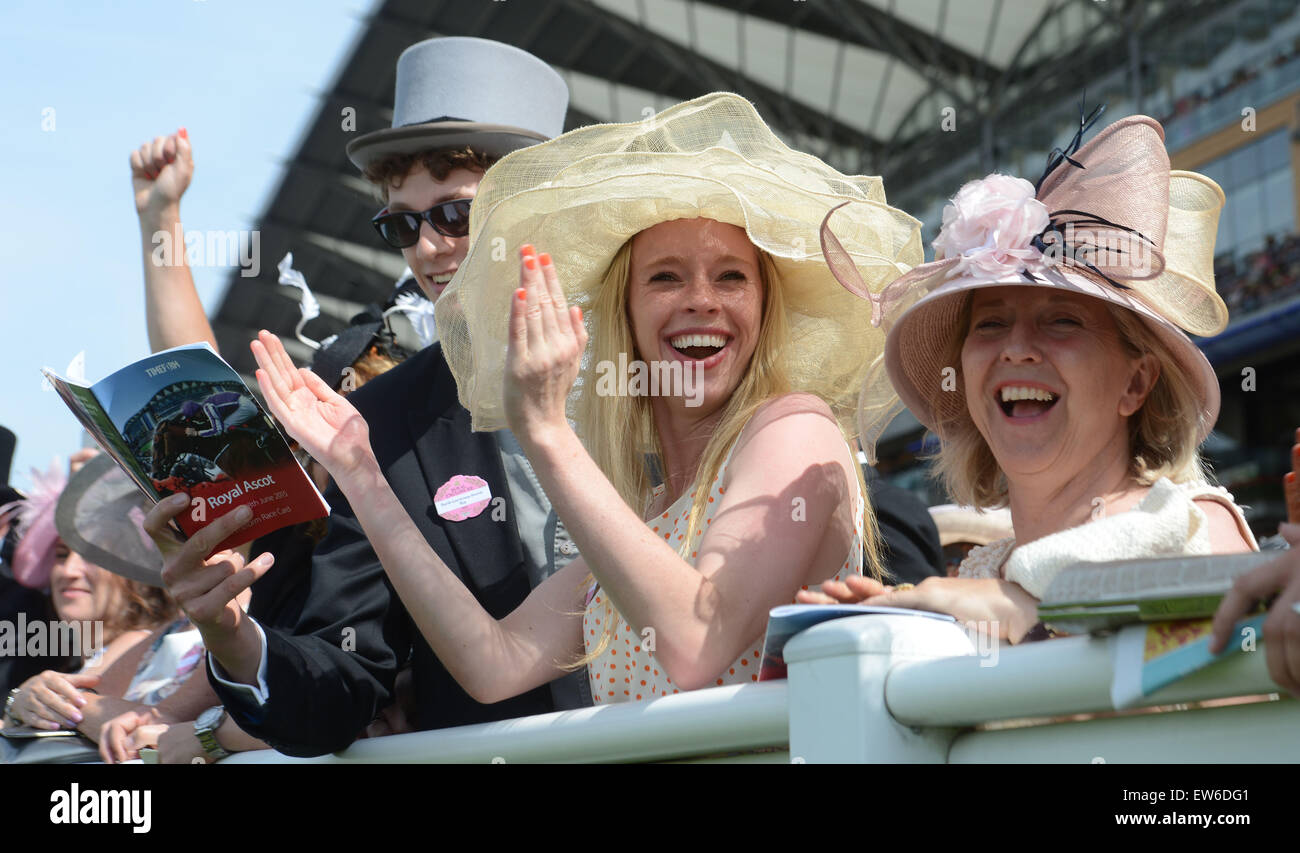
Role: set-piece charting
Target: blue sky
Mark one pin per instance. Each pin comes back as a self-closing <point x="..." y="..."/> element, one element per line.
<point x="241" y="76"/>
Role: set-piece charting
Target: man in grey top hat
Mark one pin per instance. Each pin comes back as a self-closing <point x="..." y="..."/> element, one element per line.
<point x="461" y="104"/>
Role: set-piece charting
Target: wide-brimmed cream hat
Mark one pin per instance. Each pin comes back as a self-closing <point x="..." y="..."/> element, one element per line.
<point x="581" y="196"/>
<point x="1109" y="221"/>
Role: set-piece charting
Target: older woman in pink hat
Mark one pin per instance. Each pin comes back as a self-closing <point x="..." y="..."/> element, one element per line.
<point x="1046" y="348"/>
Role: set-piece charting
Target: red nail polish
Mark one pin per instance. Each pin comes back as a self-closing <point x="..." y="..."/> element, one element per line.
<point x="530" y="262"/>
<point x="545" y="258"/>
<point x="527" y="249"/>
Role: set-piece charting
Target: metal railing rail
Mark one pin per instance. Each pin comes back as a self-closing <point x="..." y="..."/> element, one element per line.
<point x="890" y="689"/>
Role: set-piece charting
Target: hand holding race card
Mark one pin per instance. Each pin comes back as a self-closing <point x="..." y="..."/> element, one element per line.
<point x="182" y="421"/>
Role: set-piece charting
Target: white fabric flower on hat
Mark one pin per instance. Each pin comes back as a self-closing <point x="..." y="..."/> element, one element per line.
<point x="988" y="226"/>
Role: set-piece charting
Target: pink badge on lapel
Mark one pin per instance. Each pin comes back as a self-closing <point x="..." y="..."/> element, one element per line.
<point x="463" y="496"/>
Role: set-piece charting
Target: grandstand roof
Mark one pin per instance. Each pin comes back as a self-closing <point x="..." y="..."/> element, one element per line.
<point x="861" y="83"/>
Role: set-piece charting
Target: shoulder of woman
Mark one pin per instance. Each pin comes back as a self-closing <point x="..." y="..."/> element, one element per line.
<point x="795" y="404"/>
<point x="790" y="435"/>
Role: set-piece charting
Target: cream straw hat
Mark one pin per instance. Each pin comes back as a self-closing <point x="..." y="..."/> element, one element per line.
<point x="1117" y="191"/>
<point x="581" y="196"/>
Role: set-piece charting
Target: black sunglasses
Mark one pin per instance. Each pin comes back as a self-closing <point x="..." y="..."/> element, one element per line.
<point x="402" y="229"/>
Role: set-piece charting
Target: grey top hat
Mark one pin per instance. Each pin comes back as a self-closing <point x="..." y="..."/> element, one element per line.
<point x="461" y="91"/>
<point x="98" y="516"/>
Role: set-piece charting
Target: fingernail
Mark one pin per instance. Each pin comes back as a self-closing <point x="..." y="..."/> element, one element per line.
<point x="76" y="718"/>
<point x="243" y="514"/>
<point x="530" y="262"/>
<point x="545" y="258"/>
<point x="185" y="134"/>
<point x="178" y="499"/>
<point x="527" y="249"/>
<point x="521" y="295"/>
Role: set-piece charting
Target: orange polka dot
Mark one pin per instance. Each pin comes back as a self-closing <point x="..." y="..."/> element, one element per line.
<point x="732" y="671"/>
<point x="693" y="553"/>
<point x="753" y="678"/>
<point x="805" y="586"/>
<point x="710" y="498"/>
<point x="666" y="535"/>
<point x="719" y="682"/>
<point x="676" y="691"/>
<point x="636" y="648"/>
<point x="755" y="654"/>
<point x="643" y="682"/>
<point x="638" y="696"/>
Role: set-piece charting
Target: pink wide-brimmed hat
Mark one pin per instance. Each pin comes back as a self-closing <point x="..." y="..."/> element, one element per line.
<point x="1109" y="221"/>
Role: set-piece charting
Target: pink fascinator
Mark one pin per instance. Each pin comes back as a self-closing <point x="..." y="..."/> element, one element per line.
<point x="34" y="554"/>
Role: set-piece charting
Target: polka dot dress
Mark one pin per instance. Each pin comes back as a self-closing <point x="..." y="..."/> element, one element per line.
<point x="626" y="670"/>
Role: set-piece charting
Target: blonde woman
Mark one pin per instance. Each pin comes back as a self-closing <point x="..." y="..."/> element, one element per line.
<point x="689" y="239"/>
<point x="1077" y="401"/>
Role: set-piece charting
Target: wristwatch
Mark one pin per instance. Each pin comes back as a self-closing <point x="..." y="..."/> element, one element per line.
<point x="205" y="729"/>
<point x="9" y="706"/>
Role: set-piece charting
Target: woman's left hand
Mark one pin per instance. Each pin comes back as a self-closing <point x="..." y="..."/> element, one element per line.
<point x="545" y="348"/>
<point x="1002" y="608"/>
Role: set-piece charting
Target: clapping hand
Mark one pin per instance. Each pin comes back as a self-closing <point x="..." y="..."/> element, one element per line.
<point x="327" y="426"/>
<point x="547" y="339"/>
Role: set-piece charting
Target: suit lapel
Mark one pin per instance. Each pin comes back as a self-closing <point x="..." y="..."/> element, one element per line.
<point x="487" y="546"/>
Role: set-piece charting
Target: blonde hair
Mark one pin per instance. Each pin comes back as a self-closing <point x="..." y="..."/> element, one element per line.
<point x="619" y="430"/>
<point x="1162" y="433"/>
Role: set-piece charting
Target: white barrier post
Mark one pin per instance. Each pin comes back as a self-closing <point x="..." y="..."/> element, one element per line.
<point x="837" y="689"/>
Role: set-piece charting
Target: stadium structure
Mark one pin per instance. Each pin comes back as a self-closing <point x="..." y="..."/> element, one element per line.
<point x="926" y="93"/>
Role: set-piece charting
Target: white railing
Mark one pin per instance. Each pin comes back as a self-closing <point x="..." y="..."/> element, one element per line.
<point x="890" y="689"/>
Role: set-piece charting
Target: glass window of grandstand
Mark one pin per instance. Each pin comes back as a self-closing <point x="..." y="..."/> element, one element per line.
<point x="1258" y="224"/>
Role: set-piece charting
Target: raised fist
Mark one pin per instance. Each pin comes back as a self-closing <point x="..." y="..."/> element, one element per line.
<point x="161" y="171"/>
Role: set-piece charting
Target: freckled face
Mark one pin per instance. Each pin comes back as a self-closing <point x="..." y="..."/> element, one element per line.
<point x="696" y="296"/>
<point x="1048" y="381"/>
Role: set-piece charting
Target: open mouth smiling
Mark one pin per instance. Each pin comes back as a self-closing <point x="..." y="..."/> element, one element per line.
<point x="700" y="346"/>
<point x="1021" y="402"/>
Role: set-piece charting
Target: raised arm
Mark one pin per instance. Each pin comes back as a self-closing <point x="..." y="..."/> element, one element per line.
<point x="492" y="659"/>
<point x="160" y="174"/>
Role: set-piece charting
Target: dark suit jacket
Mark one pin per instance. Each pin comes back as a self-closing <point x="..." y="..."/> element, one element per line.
<point x="911" y="539"/>
<point x="331" y="676"/>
